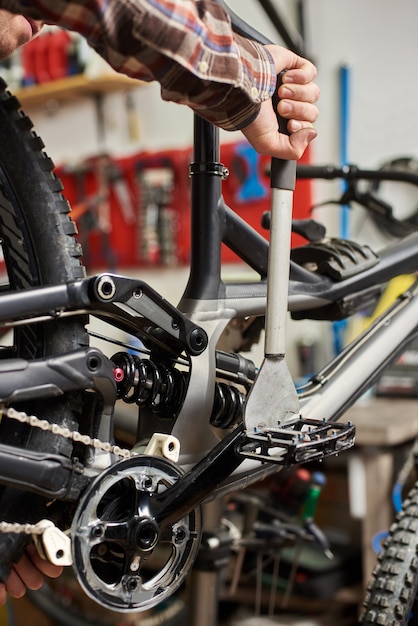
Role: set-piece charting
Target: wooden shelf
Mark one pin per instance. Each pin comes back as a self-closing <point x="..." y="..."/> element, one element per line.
<point x="73" y="88"/>
<point x="384" y="421"/>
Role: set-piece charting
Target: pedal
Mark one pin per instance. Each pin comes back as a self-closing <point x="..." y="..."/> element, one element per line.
<point x="53" y="544"/>
<point x="300" y="441"/>
<point x="338" y="258"/>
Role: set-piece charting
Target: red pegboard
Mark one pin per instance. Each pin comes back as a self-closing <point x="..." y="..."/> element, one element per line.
<point x="247" y="189"/>
<point x="136" y="210"/>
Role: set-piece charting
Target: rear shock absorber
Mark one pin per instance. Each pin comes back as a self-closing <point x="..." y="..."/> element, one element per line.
<point x="229" y="401"/>
<point x="162" y="389"/>
<point x="227" y="407"/>
<point x="148" y="384"/>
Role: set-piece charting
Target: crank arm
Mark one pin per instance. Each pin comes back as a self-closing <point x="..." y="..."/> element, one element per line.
<point x="301" y="441"/>
<point x="22" y="380"/>
<point x="49" y="475"/>
<point x="191" y="489"/>
<point x="131" y="304"/>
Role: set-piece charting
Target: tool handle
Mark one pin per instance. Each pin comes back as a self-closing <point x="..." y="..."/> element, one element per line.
<point x="282" y="182"/>
<point x="283" y="173"/>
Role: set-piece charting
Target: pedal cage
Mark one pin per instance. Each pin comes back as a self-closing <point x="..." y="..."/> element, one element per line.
<point x="299" y="441"/>
<point x="337" y="258"/>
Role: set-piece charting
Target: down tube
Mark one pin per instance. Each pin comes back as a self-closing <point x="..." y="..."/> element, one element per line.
<point x="345" y="382"/>
<point x="357" y="371"/>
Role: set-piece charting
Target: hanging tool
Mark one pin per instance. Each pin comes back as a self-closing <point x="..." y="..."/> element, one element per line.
<point x="122" y="191"/>
<point x="273" y="397"/>
<point x="339" y="327"/>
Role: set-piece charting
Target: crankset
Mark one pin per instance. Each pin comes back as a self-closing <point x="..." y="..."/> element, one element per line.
<point x="136" y="531"/>
<point x="122" y="557"/>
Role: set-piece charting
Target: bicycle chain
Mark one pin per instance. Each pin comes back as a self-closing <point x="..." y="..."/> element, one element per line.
<point x="22" y="529"/>
<point x="73" y="435"/>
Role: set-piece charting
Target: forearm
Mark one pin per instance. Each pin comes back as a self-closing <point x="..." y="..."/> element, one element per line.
<point x="187" y="46"/>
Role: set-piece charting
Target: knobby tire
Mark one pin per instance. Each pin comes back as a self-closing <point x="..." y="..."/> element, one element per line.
<point x="38" y="240"/>
<point x="391" y="598"/>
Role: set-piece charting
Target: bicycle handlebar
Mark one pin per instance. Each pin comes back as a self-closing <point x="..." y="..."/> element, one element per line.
<point x="352" y="172"/>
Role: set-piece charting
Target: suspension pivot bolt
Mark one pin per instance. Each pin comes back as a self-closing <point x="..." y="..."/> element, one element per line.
<point x="198" y="340"/>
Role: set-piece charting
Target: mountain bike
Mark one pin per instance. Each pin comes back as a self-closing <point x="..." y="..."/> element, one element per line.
<point x="210" y="422"/>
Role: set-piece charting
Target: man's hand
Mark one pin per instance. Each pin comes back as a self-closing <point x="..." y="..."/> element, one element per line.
<point x="297" y="97"/>
<point x="28" y="573"/>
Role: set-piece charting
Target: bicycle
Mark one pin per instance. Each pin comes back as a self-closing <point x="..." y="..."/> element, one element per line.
<point x="205" y="428"/>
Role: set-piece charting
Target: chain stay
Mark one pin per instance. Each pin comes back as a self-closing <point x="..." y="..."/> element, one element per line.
<point x="39" y="528"/>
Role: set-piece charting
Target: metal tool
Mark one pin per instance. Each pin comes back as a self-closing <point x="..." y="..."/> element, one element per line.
<point x="273" y="398"/>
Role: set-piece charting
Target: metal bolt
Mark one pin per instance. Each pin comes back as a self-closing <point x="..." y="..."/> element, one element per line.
<point x="131" y="584"/>
<point x="97" y="532"/>
<point x="146" y="535"/>
<point x="179" y="535"/>
<point x="106" y="288"/>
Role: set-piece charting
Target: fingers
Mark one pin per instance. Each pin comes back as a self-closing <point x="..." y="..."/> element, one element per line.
<point x="24" y="575"/>
<point x="15" y="586"/>
<point x="45" y="567"/>
<point x="303" y="112"/>
<point x="297" y="91"/>
<point x="28" y="573"/>
<point x="3" y="594"/>
<point x="302" y="72"/>
<point x="298" y="95"/>
<point x="308" y="92"/>
<point x="299" y="101"/>
<point x="298" y="69"/>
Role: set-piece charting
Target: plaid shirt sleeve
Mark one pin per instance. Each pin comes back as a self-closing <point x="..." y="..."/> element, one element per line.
<point x="186" y="45"/>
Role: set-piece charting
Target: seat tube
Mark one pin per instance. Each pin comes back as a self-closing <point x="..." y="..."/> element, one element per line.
<point x="206" y="173"/>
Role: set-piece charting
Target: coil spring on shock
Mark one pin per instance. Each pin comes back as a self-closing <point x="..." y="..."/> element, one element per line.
<point x="147" y="384"/>
<point x="227" y="407"/>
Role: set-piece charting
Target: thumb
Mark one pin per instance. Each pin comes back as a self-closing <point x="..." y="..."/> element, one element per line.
<point x="299" y="141"/>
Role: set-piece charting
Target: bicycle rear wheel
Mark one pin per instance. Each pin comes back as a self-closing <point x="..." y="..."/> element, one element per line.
<point x="392" y="593"/>
<point x="39" y="248"/>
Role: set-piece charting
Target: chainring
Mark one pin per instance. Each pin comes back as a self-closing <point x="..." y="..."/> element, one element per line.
<point x="121" y="559"/>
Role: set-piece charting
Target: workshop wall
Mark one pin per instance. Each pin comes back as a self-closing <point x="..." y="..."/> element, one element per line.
<point x="372" y="38"/>
<point x="376" y="41"/>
